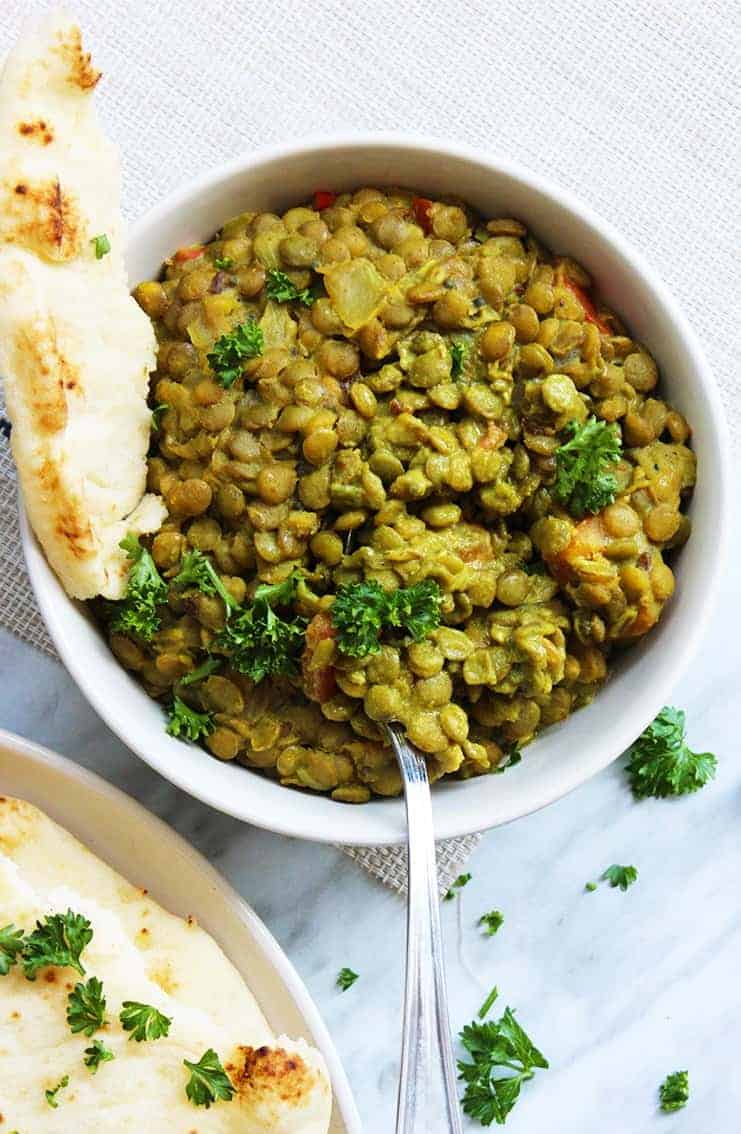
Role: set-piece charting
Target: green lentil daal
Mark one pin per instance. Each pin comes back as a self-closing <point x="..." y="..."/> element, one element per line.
<point x="390" y="412"/>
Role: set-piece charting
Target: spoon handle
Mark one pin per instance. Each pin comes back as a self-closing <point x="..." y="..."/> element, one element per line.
<point x="427" y="1053"/>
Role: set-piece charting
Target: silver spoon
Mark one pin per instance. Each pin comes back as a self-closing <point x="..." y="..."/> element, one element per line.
<point x="427" y="1052"/>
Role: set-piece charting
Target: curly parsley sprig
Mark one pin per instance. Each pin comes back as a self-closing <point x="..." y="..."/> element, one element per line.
<point x="259" y="642"/>
<point x="187" y="723"/>
<point x="358" y="613"/>
<point x="146" y="590"/>
<point x="503" y="1057"/>
<point x="230" y="351"/>
<point x="57" y="940"/>
<point x="584" y="480"/>
<point x="415" y="609"/>
<point x="362" y="610"/>
<point x="662" y="765"/>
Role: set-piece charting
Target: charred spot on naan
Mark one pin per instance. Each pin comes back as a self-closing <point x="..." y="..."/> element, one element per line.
<point x="80" y="70"/>
<point x="37" y="131"/>
<point x="72" y="528"/>
<point x="43" y="217"/>
<point x="164" y="975"/>
<point x="261" y="1074"/>
<point x="76" y="533"/>
<point x="47" y="374"/>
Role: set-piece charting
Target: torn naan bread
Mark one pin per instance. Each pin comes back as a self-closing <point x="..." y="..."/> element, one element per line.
<point x="140" y="953"/>
<point x="75" y="348"/>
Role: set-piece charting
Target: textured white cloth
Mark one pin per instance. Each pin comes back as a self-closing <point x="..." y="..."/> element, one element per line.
<point x="635" y="106"/>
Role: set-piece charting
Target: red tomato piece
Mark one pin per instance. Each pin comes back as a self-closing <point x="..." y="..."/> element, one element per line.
<point x="421" y="208"/>
<point x="191" y="253"/>
<point x="319" y="681"/>
<point x="494" y="437"/>
<point x="588" y="539"/>
<point x="590" y="311"/>
<point x="324" y="199"/>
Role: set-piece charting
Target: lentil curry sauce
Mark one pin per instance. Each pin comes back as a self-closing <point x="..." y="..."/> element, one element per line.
<point x="419" y="369"/>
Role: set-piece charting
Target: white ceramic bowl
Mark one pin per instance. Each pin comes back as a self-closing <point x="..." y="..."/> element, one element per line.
<point x="146" y="851"/>
<point x="642" y="682"/>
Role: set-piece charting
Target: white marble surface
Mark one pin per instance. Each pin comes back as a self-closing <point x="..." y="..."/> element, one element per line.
<point x="617" y="989"/>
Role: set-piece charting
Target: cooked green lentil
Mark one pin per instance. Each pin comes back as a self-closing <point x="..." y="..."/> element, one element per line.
<point x="419" y="370"/>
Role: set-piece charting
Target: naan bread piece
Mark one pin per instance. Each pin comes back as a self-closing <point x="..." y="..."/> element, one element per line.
<point x="75" y="349"/>
<point x="140" y="953"/>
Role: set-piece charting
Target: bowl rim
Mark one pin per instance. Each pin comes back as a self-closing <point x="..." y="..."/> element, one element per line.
<point x="346" y="826"/>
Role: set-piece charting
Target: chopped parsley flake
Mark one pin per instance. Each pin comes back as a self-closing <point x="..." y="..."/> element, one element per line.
<point x="196" y="570"/>
<point x="492" y="922"/>
<point x="620" y="876"/>
<point x="510" y="758"/>
<point x="458" y="354"/>
<point x="461" y="881"/>
<point x="346" y="979"/>
<point x="281" y="288"/>
<point x="11" y="946"/>
<point x="86" y="1007"/>
<point x="535" y="567"/>
<point x="101" y="245"/>
<point x="488" y="1003"/>
<point x="158" y="413"/>
<point x="51" y="1095"/>
<point x="208" y="1081"/>
<point x="143" y="1021"/>
<point x="96" y="1054"/>
<point x="204" y="670"/>
<point x="674" y="1092"/>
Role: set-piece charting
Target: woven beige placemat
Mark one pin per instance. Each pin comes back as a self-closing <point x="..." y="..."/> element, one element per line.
<point x="20" y="615"/>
